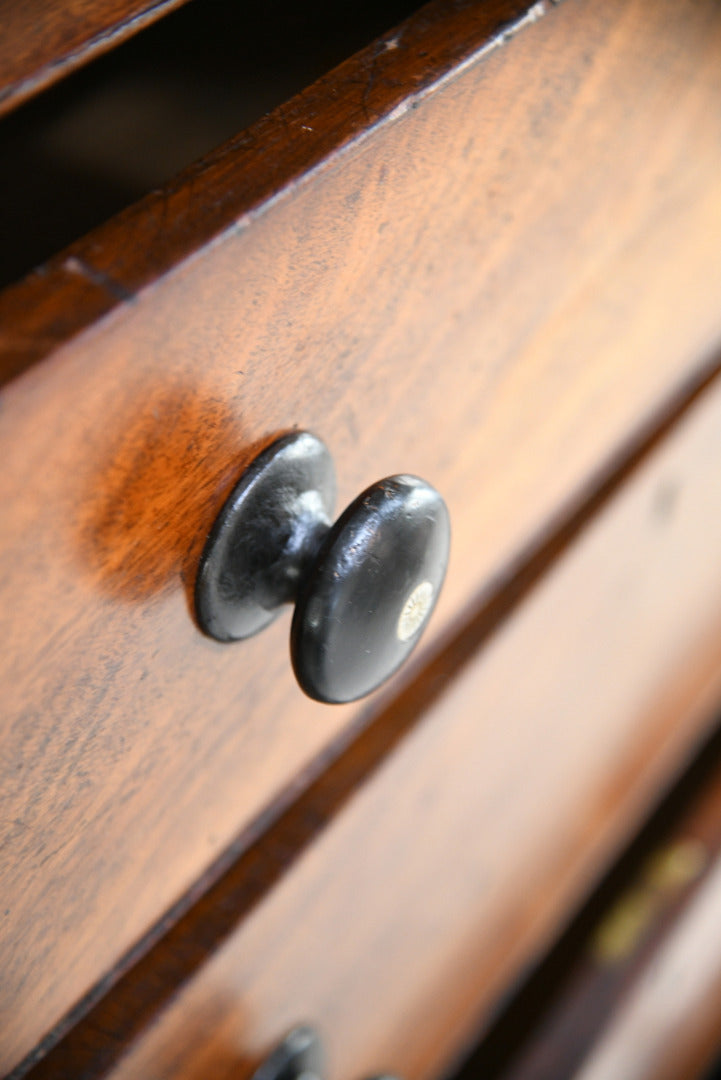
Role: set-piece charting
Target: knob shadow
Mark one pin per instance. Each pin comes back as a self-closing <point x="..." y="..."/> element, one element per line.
<point x="171" y="460"/>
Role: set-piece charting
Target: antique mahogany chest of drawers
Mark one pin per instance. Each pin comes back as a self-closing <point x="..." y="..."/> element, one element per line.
<point x="483" y="250"/>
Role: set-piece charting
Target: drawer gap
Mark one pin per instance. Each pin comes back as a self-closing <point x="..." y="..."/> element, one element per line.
<point x="127" y="123"/>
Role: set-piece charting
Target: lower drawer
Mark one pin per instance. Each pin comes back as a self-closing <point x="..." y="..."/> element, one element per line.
<point x="402" y="893"/>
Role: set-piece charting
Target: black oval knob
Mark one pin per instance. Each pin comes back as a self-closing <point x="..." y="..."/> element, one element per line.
<point x="364" y="588"/>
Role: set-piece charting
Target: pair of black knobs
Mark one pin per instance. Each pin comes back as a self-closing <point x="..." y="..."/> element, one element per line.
<point x="364" y="587"/>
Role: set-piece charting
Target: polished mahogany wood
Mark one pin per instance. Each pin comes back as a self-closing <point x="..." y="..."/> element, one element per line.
<point x="225" y="189"/>
<point x="463" y="255"/>
<point x="409" y="886"/>
<point x="43" y="40"/>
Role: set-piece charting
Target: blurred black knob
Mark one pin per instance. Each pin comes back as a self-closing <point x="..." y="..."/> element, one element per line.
<point x="300" y="1056"/>
<point x="364" y="588"/>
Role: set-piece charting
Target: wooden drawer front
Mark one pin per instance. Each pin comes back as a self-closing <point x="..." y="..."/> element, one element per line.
<point x="491" y="812"/>
<point x="491" y="288"/>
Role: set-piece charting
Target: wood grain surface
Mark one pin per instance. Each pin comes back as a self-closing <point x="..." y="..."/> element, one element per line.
<point x="406" y="890"/>
<point x="128" y="123"/>
<point x="224" y="190"/>
<point x="43" y="40"/>
<point x="505" y="272"/>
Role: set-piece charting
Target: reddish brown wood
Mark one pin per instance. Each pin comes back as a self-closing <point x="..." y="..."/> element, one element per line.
<point x="414" y="879"/>
<point x="224" y="190"/>
<point x="464" y="272"/>
<point x="43" y="40"/>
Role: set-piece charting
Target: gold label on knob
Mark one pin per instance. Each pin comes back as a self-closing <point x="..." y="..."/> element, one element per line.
<point x="415" y="610"/>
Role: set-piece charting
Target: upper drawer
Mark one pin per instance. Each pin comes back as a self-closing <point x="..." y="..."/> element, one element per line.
<point x="484" y="258"/>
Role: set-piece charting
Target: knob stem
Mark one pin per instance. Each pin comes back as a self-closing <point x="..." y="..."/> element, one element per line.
<point x="266" y="538"/>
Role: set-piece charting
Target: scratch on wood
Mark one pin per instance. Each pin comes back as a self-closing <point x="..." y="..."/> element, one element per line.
<point x="115" y="290"/>
<point x="368" y="86"/>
